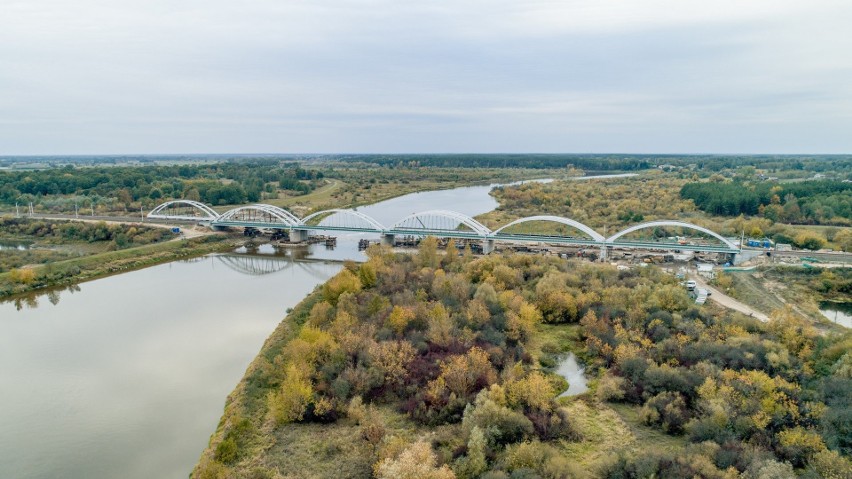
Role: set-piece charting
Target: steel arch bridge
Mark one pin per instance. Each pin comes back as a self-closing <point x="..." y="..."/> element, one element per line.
<point x="346" y="220"/>
<point x="258" y="216"/>
<point x="657" y="224"/>
<point x="594" y="236"/>
<point x="183" y="210"/>
<point x="440" y="223"/>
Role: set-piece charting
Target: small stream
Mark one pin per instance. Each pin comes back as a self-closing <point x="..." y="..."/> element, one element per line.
<point x="571" y="370"/>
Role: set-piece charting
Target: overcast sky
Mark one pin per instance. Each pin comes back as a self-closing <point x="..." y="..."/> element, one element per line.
<point x="278" y="76"/>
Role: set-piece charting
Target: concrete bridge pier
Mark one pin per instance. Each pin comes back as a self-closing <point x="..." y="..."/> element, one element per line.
<point x="743" y="256"/>
<point x="605" y="252"/>
<point x="487" y="246"/>
<point x="387" y="240"/>
<point x="297" y="236"/>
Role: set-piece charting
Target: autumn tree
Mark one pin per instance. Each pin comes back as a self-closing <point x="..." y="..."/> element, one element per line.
<point x="427" y="252"/>
<point x="367" y="274"/>
<point x="399" y="318"/>
<point x="343" y="282"/>
<point x="391" y="359"/>
<point x="291" y="400"/>
<point x="843" y="238"/>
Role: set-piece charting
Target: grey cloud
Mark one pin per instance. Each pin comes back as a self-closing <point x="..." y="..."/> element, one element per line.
<point x="375" y="76"/>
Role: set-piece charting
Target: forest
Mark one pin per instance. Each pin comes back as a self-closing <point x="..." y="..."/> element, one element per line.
<point x="440" y="366"/>
<point x="222" y="183"/>
<point x="811" y="202"/>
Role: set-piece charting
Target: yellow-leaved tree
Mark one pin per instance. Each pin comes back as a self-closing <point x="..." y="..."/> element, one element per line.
<point x="291" y="400"/>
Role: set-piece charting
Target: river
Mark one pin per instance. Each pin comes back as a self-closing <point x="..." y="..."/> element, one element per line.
<point x="126" y="376"/>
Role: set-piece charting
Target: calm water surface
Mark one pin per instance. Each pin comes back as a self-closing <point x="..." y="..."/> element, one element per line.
<point x="571" y="370"/>
<point x="840" y="313"/>
<point x="126" y="376"/>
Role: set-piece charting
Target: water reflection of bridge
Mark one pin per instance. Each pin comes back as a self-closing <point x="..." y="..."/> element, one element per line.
<point x="445" y="224"/>
<point x="263" y="264"/>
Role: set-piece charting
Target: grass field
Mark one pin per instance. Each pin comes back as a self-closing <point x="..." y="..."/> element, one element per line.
<point x="752" y="291"/>
<point x="608" y="428"/>
<point x="320" y="196"/>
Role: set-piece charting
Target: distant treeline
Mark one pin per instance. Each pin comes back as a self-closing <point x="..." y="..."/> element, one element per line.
<point x="593" y="162"/>
<point x="538" y="161"/>
<point x="800" y="202"/>
<point x="612" y="162"/>
<point x="213" y="183"/>
<point x="771" y="163"/>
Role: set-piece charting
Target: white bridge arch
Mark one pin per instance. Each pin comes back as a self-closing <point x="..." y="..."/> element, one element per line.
<point x="682" y="224"/>
<point x="555" y="219"/>
<point x="188" y="206"/>
<point x="259" y="213"/>
<point x="440" y="220"/>
<point x="362" y="221"/>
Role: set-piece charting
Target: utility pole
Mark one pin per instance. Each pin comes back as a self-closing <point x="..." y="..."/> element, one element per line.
<point x="75" y="210"/>
<point x="142" y="214"/>
<point x="17" y="213"/>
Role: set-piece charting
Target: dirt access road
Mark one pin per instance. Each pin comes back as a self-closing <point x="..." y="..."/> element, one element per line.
<point x="727" y="301"/>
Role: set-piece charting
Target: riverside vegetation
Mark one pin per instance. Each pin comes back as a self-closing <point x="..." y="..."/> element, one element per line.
<point x="440" y="366"/>
<point x="66" y="252"/>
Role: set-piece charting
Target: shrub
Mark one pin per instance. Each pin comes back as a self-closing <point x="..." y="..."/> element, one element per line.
<point x="22" y="275"/>
<point x="418" y="461"/>
<point x="226" y="451"/>
<point x="500" y="424"/>
<point x="808" y="240"/>
<point x="610" y="388"/>
<point x="667" y="409"/>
